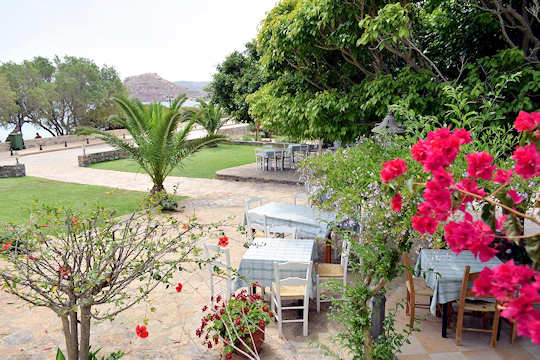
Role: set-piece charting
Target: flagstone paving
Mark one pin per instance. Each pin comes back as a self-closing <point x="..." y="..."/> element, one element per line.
<point x="36" y="333"/>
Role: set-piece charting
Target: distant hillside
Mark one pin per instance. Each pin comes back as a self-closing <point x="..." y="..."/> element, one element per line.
<point x="152" y="87"/>
<point x="195" y="86"/>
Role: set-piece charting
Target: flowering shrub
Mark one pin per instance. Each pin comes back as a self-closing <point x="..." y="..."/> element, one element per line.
<point x="234" y="322"/>
<point x="86" y="267"/>
<point x="444" y="195"/>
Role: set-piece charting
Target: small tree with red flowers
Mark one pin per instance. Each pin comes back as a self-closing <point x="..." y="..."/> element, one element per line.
<point x="72" y="263"/>
<point x="448" y="196"/>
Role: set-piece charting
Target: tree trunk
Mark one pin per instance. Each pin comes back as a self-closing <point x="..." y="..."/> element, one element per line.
<point x="71" y="341"/>
<point x="157" y="188"/>
<point x="84" y="343"/>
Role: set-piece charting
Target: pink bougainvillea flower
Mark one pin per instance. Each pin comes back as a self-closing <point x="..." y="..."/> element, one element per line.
<point x="471" y="187"/>
<point x="223" y="241"/>
<point x="393" y="169"/>
<point x="480" y="165"/>
<point x="141" y="331"/>
<point x="420" y="151"/>
<point x="228" y="356"/>
<point x="515" y="196"/>
<point x="463" y="135"/>
<point x="503" y="176"/>
<point x="438" y="199"/>
<point x="442" y="178"/>
<point x="179" y="288"/>
<point x="261" y="324"/>
<point x="396" y="202"/>
<point x="526" y="121"/>
<point x="499" y="222"/>
<point x="424" y="224"/>
<point x="527" y="161"/>
<point x="474" y="236"/>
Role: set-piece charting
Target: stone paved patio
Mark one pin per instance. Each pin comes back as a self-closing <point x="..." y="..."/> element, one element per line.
<point x="36" y="333"/>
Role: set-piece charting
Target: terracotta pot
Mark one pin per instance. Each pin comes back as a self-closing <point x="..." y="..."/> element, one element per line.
<point x="258" y="339"/>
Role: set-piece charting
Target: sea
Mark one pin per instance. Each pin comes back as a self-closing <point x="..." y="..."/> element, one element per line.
<point x="29" y="131"/>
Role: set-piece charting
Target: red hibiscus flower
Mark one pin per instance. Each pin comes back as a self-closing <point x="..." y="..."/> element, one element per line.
<point x="527" y="161"/>
<point x="141" y="331"/>
<point x="6" y="245"/>
<point x="74" y="220"/>
<point x="480" y="165"/>
<point x="396" y="203"/>
<point x="223" y="241"/>
<point x="179" y="288"/>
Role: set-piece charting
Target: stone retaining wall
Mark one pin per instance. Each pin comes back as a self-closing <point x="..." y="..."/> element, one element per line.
<point x="12" y="171"/>
<point x="89" y="159"/>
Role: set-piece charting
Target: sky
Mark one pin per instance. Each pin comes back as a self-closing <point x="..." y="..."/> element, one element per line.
<point x="178" y="39"/>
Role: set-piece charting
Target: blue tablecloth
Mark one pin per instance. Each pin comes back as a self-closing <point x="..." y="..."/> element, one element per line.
<point x="310" y="223"/>
<point x="443" y="271"/>
<point x="257" y="264"/>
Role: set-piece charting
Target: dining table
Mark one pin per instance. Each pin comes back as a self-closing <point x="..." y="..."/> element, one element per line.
<point x="310" y="223"/>
<point x="257" y="263"/>
<point x="443" y="272"/>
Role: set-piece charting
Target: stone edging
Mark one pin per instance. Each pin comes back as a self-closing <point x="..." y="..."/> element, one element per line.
<point x="7" y="171"/>
<point x="87" y="160"/>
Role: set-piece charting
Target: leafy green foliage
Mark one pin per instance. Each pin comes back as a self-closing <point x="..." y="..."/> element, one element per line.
<point x="58" y="95"/>
<point x="239" y="75"/>
<point x="157" y="147"/>
<point x="210" y="116"/>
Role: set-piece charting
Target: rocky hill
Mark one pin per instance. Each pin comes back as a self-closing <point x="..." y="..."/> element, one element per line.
<point x="152" y="87"/>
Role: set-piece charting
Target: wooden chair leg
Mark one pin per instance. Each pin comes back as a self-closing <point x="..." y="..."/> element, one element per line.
<point x="495" y="328"/>
<point x="459" y="325"/>
<point x="407" y="304"/>
<point x="513" y="332"/>
<point x="413" y="308"/>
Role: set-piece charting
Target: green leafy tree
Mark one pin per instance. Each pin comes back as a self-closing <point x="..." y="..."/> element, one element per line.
<point x="157" y="145"/>
<point x="210" y="116"/>
<point x="239" y="75"/>
<point x="59" y="95"/>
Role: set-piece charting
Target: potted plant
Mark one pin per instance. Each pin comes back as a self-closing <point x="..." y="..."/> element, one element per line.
<point x="239" y="323"/>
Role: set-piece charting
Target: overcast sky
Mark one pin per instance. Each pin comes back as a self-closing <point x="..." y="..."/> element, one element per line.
<point x="178" y="39"/>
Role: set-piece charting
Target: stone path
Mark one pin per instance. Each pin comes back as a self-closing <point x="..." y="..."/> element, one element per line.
<point x="36" y="333"/>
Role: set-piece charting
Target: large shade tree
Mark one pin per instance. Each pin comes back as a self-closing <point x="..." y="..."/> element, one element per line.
<point x="59" y="95"/>
<point x="157" y="145"/>
<point x="336" y="66"/>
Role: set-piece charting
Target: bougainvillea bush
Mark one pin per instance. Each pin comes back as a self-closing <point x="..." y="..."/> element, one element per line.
<point x="449" y="196"/>
<point x="234" y="323"/>
<point x="93" y="266"/>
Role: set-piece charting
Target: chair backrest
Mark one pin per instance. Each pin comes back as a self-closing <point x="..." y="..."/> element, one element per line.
<point x="253" y="200"/>
<point x="214" y="254"/>
<point x="408" y="275"/>
<point x="466" y="291"/>
<point x="296" y="267"/>
<point x="220" y="257"/>
<point x="279" y="229"/>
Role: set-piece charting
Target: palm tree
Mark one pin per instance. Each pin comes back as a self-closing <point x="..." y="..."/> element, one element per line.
<point x="158" y="147"/>
<point x="209" y="116"/>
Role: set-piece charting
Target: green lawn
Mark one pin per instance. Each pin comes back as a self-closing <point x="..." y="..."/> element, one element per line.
<point x="203" y="164"/>
<point x="18" y="195"/>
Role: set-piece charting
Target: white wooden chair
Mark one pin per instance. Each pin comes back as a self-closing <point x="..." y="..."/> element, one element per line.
<point x="325" y="272"/>
<point x="218" y="268"/>
<point x="302" y="196"/>
<point x="279" y="229"/>
<point x="251" y="225"/>
<point x="291" y="288"/>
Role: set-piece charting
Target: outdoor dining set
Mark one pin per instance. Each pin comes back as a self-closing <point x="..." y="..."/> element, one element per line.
<point x="270" y="158"/>
<point x="286" y="261"/>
